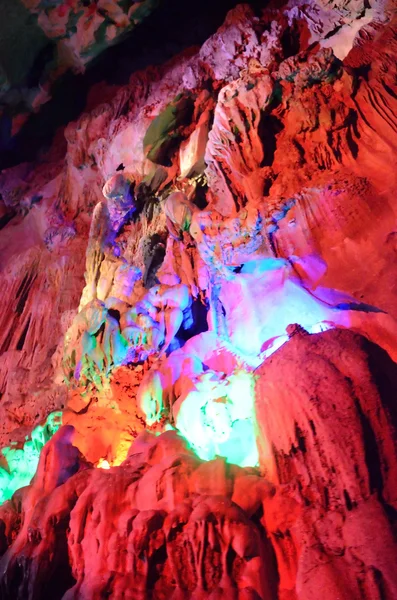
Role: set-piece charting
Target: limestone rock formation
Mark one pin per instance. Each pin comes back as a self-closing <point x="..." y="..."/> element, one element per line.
<point x="197" y="278"/>
<point x="138" y="530"/>
<point x="165" y="523"/>
<point x="41" y="40"/>
<point x="327" y="437"/>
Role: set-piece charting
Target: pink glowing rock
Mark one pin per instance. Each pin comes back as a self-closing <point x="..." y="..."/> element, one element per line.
<point x="191" y="152"/>
<point x="171" y="302"/>
<point x="179" y="211"/>
<point x="164" y="383"/>
<point x="284" y="301"/>
<point x="235" y="152"/>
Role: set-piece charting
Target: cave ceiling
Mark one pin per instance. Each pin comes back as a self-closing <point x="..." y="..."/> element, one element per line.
<point x="52" y="53"/>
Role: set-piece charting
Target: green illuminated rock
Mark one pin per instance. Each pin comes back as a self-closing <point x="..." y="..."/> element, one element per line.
<point x="20" y="463"/>
<point x="164" y="133"/>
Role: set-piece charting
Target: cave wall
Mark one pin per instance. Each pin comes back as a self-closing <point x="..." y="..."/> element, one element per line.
<point x="179" y="284"/>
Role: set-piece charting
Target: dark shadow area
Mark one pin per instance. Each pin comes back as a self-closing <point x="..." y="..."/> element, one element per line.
<point x="269" y="127"/>
<point x="384" y="374"/>
<point x="174" y="26"/>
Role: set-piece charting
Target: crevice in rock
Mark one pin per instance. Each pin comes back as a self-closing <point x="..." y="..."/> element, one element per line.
<point x="348" y="503"/>
<point x="5" y="219"/>
<point x="300" y="438"/>
<point x="372" y="457"/>
<point x="22" y="339"/>
<point x="290" y="41"/>
<point x="269" y="128"/>
<point x="23" y="291"/>
<point x="61" y="579"/>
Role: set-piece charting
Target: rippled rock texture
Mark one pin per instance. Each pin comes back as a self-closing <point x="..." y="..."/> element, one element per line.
<point x="319" y="513"/>
<point x="203" y="285"/>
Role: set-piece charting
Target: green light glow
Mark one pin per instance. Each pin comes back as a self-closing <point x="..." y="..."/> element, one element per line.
<point x="21" y="462"/>
<point x="217" y="418"/>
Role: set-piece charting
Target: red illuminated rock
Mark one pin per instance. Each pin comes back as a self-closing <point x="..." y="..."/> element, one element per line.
<point x="327" y="436"/>
<point x="162" y="524"/>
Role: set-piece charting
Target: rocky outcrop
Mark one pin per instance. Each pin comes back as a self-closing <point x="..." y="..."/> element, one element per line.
<point x="329" y="137"/>
<point x="162" y="524"/>
<point x="309" y="184"/>
<point x="327" y="439"/>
